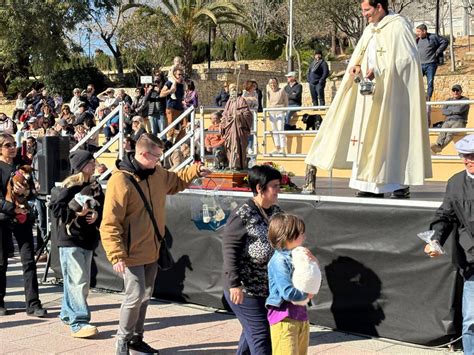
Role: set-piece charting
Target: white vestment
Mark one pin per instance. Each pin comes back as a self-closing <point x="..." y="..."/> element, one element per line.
<point x="383" y="137"/>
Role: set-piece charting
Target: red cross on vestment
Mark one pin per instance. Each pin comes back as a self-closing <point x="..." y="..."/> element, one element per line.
<point x="354" y="141"/>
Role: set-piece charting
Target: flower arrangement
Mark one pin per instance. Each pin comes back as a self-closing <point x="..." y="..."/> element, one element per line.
<point x="286" y="184"/>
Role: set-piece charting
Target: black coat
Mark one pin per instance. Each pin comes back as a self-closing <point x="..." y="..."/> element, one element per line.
<point x="81" y="234"/>
<point x="456" y="214"/>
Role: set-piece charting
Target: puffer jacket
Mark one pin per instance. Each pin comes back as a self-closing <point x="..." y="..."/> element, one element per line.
<point x="126" y="230"/>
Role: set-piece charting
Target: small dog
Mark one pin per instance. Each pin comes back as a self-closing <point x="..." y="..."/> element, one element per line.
<point x="24" y="177"/>
<point x="83" y="203"/>
<point x="306" y="274"/>
<point x="312" y="121"/>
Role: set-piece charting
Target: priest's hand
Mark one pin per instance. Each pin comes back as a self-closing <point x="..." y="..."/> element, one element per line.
<point x="370" y="74"/>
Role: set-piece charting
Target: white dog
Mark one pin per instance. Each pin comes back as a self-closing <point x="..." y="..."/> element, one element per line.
<point x="306" y="274"/>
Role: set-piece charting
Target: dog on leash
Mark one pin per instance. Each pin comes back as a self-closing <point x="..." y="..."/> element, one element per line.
<point x="312" y="121"/>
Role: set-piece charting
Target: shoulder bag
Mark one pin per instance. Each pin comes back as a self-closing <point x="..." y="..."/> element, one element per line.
<point x="165" y="259"/>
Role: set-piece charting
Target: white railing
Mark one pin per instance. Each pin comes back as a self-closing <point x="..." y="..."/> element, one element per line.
<point x="268" y="133"/>
<point x="118" y="137"/>
<point x="203" y="132"/>
<point x="191" y="111"/>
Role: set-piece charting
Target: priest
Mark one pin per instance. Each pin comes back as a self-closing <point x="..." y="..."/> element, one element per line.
<point x="383" y="137"/>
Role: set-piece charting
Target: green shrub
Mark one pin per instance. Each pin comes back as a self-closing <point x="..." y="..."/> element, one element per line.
<point x="103" y="61"/>
<point x="17" y="85"/>
<point x="63" y="81"/>
<point x="200" y="50"/>
<point x="223" y="50"/>
<point x="266" y="47"/>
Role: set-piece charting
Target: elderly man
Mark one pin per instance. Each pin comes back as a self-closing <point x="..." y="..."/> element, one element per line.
<point x="381" y="133"/>
<point x="294" y="91"/>
<point x="456" y="117"/>
<point x="457" y="212"/>
<point x="128" y="233"/>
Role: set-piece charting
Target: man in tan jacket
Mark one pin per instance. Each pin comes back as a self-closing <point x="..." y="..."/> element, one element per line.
<point x="128" y="235"/>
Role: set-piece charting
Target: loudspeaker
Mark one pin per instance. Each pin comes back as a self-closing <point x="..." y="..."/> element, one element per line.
<point x="53" y="161"/>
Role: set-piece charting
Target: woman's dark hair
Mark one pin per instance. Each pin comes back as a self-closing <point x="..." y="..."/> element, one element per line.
<point x="374" y="3"/>
<point x="191" y="85"/>
<point x="262" y="175"/>
<point x="142" y="90"/>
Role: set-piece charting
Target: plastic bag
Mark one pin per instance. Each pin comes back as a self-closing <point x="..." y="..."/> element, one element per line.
<point x="210" y="212"/>
<point x="426" y="237"/>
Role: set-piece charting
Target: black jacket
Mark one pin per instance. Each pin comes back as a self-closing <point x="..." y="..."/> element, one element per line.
<point x="6" y="171"/>
<point x="295" y="94"/>
<point x="246" y="249"/>
<point x="222" y="98"/>
<point x="81" y="234"/>
<point x="318" y="72"/>
<point x="156" y="104"/>
<point x="456" y="214"/>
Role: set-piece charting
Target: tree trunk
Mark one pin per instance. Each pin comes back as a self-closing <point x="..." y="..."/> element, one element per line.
<point x="187" y="57"/>
<point x="119" y="65"/>
<point x="117" y="57"/>
<point x="334" y="40"/>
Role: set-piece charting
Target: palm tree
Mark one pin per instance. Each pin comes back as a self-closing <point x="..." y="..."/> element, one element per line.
<point x="189" y="18"/>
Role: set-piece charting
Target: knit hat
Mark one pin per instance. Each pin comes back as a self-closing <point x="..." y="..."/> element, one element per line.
<point x="79" y="159"/>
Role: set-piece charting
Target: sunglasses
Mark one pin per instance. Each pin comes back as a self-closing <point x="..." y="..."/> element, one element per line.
<point x="9" y="145"/>
<point x="156" y="156"/>
<point x="456" y="90"/>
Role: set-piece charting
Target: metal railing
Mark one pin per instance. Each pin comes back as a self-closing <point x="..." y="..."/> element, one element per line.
<point x="188" y="136"/>
<point x="267" y="132"/>
<point x="203" y="132"/>
<point x="118" y="137"/>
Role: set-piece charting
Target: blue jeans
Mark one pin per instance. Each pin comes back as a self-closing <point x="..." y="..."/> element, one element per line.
<point x="76" y="269"/>
<point x="158" y="123"/>
<point x="289" y="114"/>
<point x="252" y="314"/>
<point x="429" y="70"/>
<point x="468" y="316"/>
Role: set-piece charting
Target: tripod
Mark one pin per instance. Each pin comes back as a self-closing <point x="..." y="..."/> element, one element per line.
<point x="46" y="241"/>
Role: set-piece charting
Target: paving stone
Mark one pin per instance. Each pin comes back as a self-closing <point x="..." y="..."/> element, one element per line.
<point x="171" y="327"/>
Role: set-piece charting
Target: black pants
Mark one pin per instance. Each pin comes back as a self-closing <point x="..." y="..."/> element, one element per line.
<point x="24" y="237"/>
<point x="317" y="92"/>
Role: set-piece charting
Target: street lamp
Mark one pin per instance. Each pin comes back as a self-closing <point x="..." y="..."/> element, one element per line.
<point x="290" y="38"/>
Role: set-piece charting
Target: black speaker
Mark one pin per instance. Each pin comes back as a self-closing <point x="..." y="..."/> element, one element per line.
<point x="53" y="161"/>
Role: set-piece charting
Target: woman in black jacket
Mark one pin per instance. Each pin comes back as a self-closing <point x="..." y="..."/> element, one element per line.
<point x="23" y="233"/>
<point x="78" y="208"/>
<point x="246" y="252"/>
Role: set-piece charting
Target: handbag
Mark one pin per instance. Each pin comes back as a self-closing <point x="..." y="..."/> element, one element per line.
<point x="165" y="259"/>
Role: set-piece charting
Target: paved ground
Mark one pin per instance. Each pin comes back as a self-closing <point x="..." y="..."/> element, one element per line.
<point x="173" y="328"/>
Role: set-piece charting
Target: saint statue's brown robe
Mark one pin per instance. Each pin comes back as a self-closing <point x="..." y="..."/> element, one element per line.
<point x="235" y="127"/>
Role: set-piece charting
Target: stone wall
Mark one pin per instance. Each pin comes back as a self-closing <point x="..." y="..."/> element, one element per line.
<point x="444" y="83"/>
